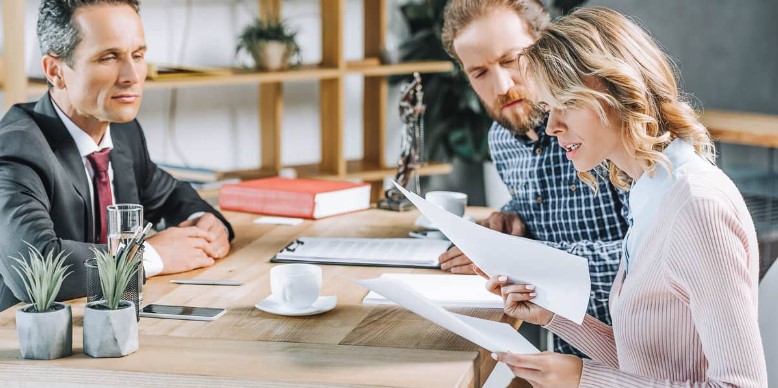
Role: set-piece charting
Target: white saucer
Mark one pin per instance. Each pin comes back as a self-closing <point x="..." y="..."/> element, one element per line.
<point x="423" y="222"/>
<point x="273" y="306"/>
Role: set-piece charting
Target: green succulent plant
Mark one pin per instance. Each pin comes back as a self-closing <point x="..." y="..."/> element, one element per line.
<point x="115" y="274"/>
<point x="269" y="29"/>
<point x="42" y="276"/>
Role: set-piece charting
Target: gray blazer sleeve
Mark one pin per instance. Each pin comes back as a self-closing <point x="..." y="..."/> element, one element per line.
<point x="24" y="212"/>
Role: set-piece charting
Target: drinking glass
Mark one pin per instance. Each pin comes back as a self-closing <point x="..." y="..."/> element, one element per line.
<point x="124" y="219"/>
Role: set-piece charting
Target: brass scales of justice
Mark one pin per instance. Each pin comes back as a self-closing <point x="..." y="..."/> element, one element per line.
<point x="412" y="147"/>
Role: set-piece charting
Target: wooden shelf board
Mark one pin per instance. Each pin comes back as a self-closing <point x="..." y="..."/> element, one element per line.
<point x="252" y="173"/>
<point x="359" y="169"/>
<point x="356" y="169"/>
<point x="240" y="76"/>
<point x="742" y="128"/>
<point x="370" y="68"/>
<point x="306" y="72"/>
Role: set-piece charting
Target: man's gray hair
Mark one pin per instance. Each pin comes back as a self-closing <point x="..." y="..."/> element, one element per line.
<point x="58" y="35"/>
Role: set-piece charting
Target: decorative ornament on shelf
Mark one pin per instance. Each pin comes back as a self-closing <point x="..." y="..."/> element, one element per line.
<point x="271" y="42"/>
<point x="412" y="146"/>
<point x="44" y="327"/>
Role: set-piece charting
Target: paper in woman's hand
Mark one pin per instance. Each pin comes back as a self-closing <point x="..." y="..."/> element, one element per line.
<point x="490" y="335"/>
<point x="561" y="279"/>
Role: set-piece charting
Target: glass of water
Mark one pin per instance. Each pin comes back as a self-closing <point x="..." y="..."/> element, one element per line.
<point x="124" y="219"/>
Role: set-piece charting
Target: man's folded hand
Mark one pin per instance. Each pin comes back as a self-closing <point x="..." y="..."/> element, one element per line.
<point x="209" y="223"/>
<point x="184" y="249"/>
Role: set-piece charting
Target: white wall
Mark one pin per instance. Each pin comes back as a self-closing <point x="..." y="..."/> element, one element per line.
<point x="217" y="127"/>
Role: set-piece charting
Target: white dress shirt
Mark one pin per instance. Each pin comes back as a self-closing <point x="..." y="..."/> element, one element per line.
<point x="152" y="262"/>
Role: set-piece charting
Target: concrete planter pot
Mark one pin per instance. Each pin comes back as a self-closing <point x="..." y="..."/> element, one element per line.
<point x="110" y="333"/>
<point x="271" y="55"/>
<point x="47" y="335"/>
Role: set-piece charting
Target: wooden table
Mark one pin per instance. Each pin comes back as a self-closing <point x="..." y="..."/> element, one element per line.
<point x="354" y="344"/>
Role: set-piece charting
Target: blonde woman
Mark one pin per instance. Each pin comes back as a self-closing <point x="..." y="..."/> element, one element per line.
<point x="684" y="303"/>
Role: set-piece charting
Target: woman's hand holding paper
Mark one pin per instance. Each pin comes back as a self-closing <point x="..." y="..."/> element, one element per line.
<point x="517" y="299"/>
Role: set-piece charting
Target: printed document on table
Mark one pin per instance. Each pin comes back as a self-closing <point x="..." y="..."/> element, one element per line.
<point x="562" y="279"/>
<point x="395" y="252"/>
<point x="443" y="290"/>
<point x="490" y="335"/>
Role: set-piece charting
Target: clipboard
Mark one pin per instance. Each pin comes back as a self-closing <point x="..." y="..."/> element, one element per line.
<point x="371" y="252"/>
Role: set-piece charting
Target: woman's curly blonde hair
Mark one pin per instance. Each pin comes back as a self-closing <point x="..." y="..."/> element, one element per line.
<point x="604" y="45"/>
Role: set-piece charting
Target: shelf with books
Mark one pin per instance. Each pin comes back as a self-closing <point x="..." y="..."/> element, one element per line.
<point x="358" y="170"/>
<point x="368" y="171"/>
<point x="330" y="74"/>
<point x="355" y="170"/>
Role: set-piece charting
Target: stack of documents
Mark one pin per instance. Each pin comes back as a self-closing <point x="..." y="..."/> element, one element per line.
<point x="394" y="252"/>
<point x="443" y="290"/>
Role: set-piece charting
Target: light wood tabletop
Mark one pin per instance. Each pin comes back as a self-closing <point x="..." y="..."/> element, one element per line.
<point x="354" y="344"/>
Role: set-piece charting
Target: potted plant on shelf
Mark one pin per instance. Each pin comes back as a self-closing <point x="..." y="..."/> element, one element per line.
<point x="271" y="43"/>
<point x="44" y="327"/>
<point x="110" y="325"/>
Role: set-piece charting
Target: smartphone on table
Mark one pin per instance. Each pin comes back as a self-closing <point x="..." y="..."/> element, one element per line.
<point x="181" y="312"/>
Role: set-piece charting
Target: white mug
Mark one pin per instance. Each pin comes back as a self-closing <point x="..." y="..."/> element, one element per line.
<point x="452" y="201"/>
<point x="296" y="285"/>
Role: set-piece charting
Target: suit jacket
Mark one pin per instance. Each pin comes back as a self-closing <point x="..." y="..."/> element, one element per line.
<point x="44" y="193"/>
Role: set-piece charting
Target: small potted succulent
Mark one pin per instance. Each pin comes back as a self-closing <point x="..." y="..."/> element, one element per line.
<point x="271" y="43"/>
<point x="110" y="325"/>
<point x="44" y="327"/>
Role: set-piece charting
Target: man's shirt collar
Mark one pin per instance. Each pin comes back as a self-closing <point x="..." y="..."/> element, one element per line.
<point x="83" y="141"/>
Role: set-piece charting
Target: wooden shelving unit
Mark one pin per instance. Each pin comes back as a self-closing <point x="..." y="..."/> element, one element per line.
<point x="330" y="74"/>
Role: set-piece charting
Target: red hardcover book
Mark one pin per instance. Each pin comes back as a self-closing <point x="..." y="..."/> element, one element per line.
<point x="305" y="198"/>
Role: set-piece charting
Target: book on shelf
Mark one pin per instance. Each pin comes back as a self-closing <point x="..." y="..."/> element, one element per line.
<point x="192" y="174"/>
<point x="162" y="72"/>
<point x="304" y="198"/>
<point x="377" y="252"/>
<point x="197" y="185"/>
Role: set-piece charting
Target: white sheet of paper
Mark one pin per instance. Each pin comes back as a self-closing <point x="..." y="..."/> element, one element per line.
<point x="443" y="290"/>
<point x="501" y="376"/>
<point x="562" y="279"/>
<point x="278" y="220"/>
<point x="493" y="336"/>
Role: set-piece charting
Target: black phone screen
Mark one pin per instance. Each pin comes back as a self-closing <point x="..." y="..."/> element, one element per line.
<point x="182" y="310"/>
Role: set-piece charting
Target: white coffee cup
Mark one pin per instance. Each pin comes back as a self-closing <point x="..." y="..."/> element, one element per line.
<point x="296" y="285"/>
<point x="452" y="201"/>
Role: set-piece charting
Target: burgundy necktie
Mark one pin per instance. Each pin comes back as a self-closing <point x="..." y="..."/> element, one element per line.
<point x="99" y="161"/>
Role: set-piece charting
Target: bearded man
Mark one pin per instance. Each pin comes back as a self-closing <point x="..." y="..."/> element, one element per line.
<point x="548" y="202"/>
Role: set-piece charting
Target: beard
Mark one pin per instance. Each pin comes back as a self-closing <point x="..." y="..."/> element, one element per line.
<point x="519" y="119"/>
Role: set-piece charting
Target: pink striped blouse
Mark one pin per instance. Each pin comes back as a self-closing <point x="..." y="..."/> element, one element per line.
<point x="686" y="314"/>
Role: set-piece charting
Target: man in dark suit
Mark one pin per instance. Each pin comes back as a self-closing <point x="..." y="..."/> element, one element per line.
<point x="79" y="148"/>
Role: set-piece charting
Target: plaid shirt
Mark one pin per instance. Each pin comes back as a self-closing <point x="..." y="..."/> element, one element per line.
<point x="559" y="210"/>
